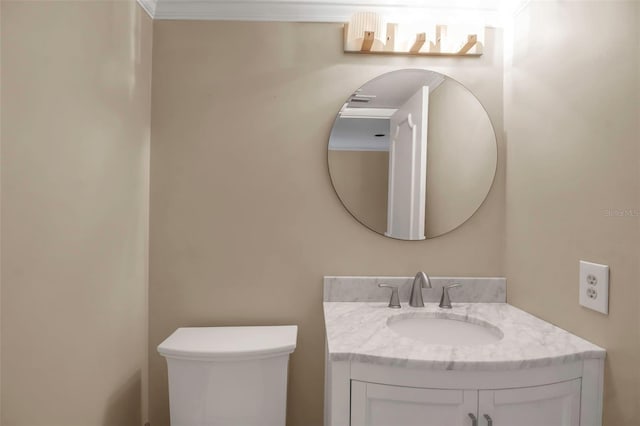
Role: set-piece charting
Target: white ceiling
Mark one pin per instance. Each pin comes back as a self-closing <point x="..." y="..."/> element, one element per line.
<point x="486" y="12"/>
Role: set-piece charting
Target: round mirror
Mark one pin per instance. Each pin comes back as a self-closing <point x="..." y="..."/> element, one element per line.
<point x="412" y="154"/>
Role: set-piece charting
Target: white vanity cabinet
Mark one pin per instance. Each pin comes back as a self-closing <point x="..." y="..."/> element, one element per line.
<point x="373" y="404"/>
<point x="556" y="404"/>
<point x="366" y="394"/>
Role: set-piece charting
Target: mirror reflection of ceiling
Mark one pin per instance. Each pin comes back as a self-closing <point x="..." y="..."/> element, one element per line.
<point x="392" y="93"/>
<point x="360" y="134"/>
<point x="363" y="123"/>
<point x="412" y="184"/>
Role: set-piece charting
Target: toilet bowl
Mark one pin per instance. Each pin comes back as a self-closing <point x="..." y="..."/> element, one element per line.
<point x="228" y="376"/>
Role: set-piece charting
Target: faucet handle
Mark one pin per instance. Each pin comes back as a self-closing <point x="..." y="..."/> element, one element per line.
<point x="394" y="302"/>
<point x="445" y="300"/>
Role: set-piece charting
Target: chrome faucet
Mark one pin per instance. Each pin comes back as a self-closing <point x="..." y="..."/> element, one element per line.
<point x="419" y="282"/>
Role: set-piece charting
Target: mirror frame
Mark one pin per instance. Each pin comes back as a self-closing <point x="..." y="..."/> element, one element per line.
<point x="489" y="189"/>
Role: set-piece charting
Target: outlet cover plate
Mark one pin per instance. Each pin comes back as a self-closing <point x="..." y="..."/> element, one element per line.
<point x="594" y="286"/>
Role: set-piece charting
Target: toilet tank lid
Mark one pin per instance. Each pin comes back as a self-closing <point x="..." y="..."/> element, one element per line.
<point x="229" y="343"/>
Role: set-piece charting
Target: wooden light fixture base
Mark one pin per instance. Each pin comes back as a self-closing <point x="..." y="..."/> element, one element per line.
<point x="420" y="47"/>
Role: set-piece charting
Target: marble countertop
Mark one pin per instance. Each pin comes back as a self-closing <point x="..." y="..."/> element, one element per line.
<point x="358" y="331"/>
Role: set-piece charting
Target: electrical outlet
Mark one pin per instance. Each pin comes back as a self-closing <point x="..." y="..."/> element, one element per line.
<point x="594" y="286"/>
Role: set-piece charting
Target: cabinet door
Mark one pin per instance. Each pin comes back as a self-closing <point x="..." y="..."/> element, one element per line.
<point x="384" y="405"/>
<point x="550" y="405"/>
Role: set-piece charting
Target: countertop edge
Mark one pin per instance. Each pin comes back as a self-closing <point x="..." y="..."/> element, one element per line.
<point x="440" y="365"/>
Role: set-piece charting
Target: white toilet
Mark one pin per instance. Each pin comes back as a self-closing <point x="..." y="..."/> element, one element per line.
<point x="228" y="376"/>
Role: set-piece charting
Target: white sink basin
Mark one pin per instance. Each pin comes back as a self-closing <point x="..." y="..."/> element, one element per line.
<point x="450" y="330"/>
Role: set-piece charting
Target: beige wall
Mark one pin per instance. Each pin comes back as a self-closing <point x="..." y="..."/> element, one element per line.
<point x="75" y="152"/>
<point x="572" y="116"/>
<point x="244" y="221"/>
<point x="362" y="180"/>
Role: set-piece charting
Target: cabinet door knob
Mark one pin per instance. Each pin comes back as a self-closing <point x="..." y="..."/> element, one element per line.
<point x="474" y="420"/>
<point x="488" y="419"/>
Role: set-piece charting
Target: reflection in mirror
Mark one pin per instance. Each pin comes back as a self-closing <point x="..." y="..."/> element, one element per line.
<point x="412" y="154"/>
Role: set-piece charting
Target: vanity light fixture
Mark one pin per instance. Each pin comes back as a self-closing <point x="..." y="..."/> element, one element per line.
<point x="365" y="32"/>
<point x="368" y="32"/>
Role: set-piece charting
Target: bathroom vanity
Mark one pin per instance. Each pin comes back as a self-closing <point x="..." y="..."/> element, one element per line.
<point x="481" y="363"/>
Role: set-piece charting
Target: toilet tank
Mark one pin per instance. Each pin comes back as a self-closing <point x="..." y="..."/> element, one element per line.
<point x="228" y="376"/>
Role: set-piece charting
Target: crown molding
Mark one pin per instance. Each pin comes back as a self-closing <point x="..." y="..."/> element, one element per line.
<point x="521" y="6"/>
<point x="320" y="10"/>
<point x="149" y="6"/>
